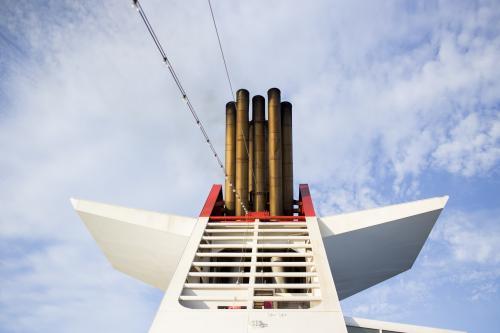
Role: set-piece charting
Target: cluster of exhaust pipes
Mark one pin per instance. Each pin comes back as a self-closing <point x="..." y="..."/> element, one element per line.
<point x="258" y="162"/>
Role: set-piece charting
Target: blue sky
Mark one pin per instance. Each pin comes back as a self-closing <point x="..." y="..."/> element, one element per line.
<point x="393" y="101"/>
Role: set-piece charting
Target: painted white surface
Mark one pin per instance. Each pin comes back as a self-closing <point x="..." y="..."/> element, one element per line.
<point x="370" y="246"/>
<point x="326" y="317"/>
<point x="145" y="245"/>
<point x="200" y="293"/>
<point x="360" y="249"/>
<point x="395" y="327"/>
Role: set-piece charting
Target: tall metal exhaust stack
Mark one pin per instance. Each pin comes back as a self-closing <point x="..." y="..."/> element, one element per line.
<point x="259" y="150"/>
<point x="275" y="154"/>
<point x="266" y="163"/>
<point x="251" y="173"/>
<point x="241" y="150"/>
<point x="287" y="150"/>
<point x="230" y="162"/>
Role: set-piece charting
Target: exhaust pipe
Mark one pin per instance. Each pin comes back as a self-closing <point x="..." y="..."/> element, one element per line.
<point x="230" y="157"/>
<point x="251" y="175"/>
<point x="287" y="150"/>
<point x="241" y="149"/>
<point x="275" y="156"/>
<point x="259" y="159"/>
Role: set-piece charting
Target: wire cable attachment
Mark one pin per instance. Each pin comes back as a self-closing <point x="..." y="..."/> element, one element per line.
<point x="136" y="4"/>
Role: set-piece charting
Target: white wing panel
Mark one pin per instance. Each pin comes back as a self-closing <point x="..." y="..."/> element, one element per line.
<point x="145" y="245"/>
<point x="370" y="246"/>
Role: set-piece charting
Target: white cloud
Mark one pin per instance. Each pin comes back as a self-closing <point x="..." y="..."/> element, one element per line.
<point x="471" y="238"/>
<point x="473" y="146"/>
<point x="484" y="291"/>
<point x="459" y="263"/>
<point x="69" y="287"/>
<point x="334" y="200"/>
<point x="391" y="301"/>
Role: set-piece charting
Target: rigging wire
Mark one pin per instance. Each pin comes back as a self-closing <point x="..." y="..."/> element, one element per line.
<point x="221" y="50"/>
<point x="229" y="79"/>
<point x="185" y="97"/>
<point x="241" y="131"/>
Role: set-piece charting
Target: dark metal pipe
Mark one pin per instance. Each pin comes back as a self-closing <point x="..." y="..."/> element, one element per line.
<point x="259" y="159"/>
<point x="230" y="162"/>
<point x="287" y="151"/>
<point x="266" y="164"/>
<point x="275" y="154"/>
<point x="241" y="150"/>
<point x="251" y="177"/>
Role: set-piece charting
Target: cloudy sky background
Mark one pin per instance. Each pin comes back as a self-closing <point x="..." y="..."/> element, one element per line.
<point x="393" y="102"/>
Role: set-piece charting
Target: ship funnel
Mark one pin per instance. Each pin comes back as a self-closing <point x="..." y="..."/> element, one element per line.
<point x="259" y="155"/>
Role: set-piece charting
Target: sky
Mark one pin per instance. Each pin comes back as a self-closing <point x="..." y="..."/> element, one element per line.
<point x="393" y="101"/>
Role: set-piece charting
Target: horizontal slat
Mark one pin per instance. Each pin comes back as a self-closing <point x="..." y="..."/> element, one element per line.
<point x="245" y="286"/>
<point x="256" y="274"/>
<point x="288" y="230"/>
<point x="249" y="254"/>
<point x="231" y="224"/>
<point x="260" y="246"/>
<point x="286" y="274"/>
<point x="293" y="246"/>
<point x="252" y="219"/>
<point x="222" y="264"/>
<point x="287" y="298"/>
<point x="250" y="230"/>
<point x="287" y="285"/>
<point x="235" y="237"/>
<point x="216" y="286"/>
<point x="229" y="231"/>
<point x="224" y="254"/>
<point x="284" y="264"/>
<point x="255" y="298"/>
<point x="227" y="246"/>
<point x="250" y="264"/>
<point x="213" y="298"/>
<point x="219" y="274"/>
<point x="286" y="237"/>
<point x="245" y="224"/>
<point x="284" y="224"/>
<point x="247" y="238"/>
<point x="285" y="254"/>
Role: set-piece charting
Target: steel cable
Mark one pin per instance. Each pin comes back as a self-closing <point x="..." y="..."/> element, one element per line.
<point x="185" y="97"/>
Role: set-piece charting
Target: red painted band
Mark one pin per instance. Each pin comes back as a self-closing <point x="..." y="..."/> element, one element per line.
<point x="305" y="198"/>
<point x="214" y="196"/>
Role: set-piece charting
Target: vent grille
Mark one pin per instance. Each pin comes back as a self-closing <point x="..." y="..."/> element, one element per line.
<point x="253" y="264"/>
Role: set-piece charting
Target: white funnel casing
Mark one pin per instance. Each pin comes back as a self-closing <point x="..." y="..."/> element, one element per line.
<point x="344" y="254"/>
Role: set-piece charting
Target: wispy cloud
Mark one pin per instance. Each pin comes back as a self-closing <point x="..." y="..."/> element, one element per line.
<point x="67" y="288"/>
<point x="470" y="237"/>
<point x="472" y="147"/>
<point x="459" y="263"/>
